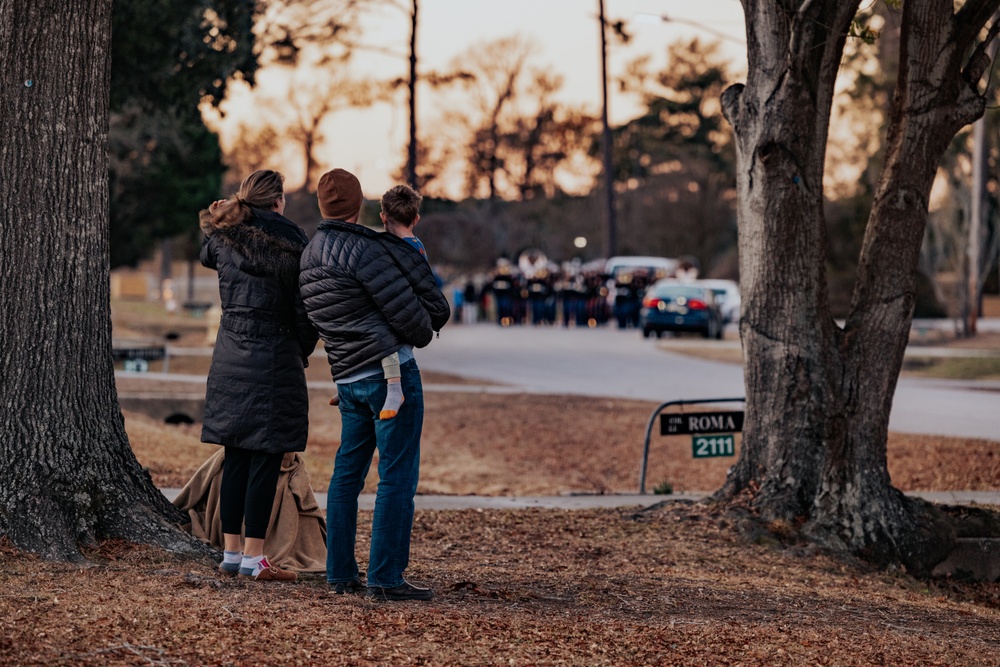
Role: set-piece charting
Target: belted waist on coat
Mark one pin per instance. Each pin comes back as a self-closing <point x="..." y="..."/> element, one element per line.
<point x="248" y="325"/>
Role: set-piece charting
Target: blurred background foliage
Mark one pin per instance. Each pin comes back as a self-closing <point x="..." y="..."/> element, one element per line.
<point x="168" y="57"/>
<point x="527" y="164"/>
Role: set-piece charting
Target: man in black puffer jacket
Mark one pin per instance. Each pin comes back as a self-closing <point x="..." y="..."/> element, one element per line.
<point x="370" y="296"/>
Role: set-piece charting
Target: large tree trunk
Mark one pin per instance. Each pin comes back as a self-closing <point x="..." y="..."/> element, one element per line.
<point x="818" y="395"/>
<point x="68" y="474"/>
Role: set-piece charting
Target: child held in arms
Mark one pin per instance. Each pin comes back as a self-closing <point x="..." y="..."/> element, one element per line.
<point x="400" y="214"/>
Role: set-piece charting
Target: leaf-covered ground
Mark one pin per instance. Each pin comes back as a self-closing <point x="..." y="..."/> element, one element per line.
<point x="672" y="585"/>
<point x="668" y="586"/>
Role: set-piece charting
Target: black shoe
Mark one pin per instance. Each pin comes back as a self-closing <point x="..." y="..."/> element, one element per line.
<point x="354" y="586"/>
<point x="405" y="591"/>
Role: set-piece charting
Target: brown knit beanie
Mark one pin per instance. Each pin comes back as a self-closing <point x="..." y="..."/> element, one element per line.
<point x="339" y="194"/>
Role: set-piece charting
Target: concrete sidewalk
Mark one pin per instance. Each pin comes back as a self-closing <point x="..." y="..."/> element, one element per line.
<point x="595" y="501"/>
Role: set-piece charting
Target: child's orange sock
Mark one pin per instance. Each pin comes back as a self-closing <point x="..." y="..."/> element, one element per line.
<point x="393" y="399"/>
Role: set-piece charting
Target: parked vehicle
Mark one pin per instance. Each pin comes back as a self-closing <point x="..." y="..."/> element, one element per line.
<point x="727" y="294"/>
<point x="673" y="306"/>
<point x="660" y="267"/>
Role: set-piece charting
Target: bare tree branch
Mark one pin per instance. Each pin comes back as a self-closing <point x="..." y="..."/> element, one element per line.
<point x="971" y="18"/>
<point x="980" y="60"/>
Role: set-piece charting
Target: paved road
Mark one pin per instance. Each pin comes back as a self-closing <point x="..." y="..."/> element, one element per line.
<point x="614" y="363"/>
<point x="621" y="364"/>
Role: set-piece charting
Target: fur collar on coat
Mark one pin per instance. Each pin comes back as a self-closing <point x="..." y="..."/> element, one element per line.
<point x="268" y="243"/>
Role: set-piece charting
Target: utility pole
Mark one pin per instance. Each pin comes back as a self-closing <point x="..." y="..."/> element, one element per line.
<point x="974" y="285"/>
<point x="609" y="170"/>
<point x="411" y="153"/>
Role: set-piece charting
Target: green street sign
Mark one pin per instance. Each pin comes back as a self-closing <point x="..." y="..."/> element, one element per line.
<point x="706" y="446"/>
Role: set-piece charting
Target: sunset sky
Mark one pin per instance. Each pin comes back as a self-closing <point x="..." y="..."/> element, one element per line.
<point x="371" y="142"/>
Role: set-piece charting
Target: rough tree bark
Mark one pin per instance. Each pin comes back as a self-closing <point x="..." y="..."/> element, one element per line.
<point x="819" y="395"/>
<point x="68" y="474"/>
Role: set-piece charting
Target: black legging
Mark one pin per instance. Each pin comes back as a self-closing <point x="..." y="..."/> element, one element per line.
<point x="249" y="480"/>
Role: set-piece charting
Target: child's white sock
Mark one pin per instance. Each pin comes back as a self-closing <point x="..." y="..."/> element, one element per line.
<point x="393" y="399"/>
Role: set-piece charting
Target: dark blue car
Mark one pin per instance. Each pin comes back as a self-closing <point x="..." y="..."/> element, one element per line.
<point x="673" y="306"/>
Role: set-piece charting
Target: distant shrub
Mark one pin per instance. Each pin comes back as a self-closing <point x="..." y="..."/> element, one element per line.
<point x="663" y="489"/>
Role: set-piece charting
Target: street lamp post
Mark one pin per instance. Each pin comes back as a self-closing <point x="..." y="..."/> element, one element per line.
<point x="606" y="140"/>
<point x="609" y="171"/>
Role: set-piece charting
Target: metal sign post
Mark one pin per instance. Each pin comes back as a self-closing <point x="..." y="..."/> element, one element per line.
<point x="697" y="424"/>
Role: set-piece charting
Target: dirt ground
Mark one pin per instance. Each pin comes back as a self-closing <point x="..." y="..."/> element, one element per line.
<point x="667" y="586"/>
<point x="671" y="585"/>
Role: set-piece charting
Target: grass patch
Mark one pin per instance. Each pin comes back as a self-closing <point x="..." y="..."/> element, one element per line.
<point x="954" y="368"/>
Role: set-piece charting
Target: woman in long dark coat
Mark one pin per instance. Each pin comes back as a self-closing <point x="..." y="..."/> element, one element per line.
<point x="256" y="404"/>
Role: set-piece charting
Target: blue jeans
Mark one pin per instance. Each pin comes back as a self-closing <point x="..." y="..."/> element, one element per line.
<point x="398" y="444"/>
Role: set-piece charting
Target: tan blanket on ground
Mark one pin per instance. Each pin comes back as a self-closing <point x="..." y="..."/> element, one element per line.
<point x="296" y="535"/>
